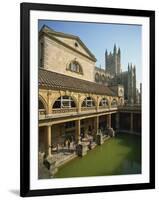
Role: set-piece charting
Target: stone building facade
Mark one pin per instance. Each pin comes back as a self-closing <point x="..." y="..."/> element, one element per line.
<point x="72" y="106"/>
<point x="113" y="75"/>
<point x="67" y="49"/>
<point x="112" y="62"/>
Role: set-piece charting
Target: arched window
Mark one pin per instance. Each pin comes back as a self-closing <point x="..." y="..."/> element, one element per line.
<point x="74" y="66"/>
<point x="97" y="77"/>
<point x="114" y="103"/>
<point x="64" y="102"/>
<point x="121" y="101"/>
<point x="88" y="102"/>
<point x="104" y="102"/>
<point x="41" y="105"/>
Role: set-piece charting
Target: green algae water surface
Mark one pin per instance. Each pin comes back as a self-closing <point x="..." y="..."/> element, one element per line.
<point x="117" y="156"/>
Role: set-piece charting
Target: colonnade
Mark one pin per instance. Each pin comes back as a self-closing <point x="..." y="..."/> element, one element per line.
<point x="49" y="131"/>
<point x="108" y="120"/>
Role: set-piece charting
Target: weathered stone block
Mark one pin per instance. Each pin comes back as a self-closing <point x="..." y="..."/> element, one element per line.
<point x="111" y="132"/>
<point x="81" y="149"/>
<point x="99" y="139"/>
<point x="50" y="164"/>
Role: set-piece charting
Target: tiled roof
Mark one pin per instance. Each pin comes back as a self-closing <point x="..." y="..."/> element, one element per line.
<point x="53" y="80"/>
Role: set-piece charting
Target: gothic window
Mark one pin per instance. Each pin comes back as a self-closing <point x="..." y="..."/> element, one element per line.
<point x="74" y="66"/>
<point x="121" y="101"/>
<point x="121" y="92"/>
<point x="64" y="102"/>
<point x="88" y="102"/>
<point x="104" y="102"/>
<point x="114" y="103"/>
<point x="103" y="78"/>
<point x="97" y="77"/>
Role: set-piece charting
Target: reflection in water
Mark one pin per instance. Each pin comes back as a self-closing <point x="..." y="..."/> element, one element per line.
<point x="130" y="167"/>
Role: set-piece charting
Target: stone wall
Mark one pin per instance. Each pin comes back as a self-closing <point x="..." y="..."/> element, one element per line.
<point x="57" y="58"/>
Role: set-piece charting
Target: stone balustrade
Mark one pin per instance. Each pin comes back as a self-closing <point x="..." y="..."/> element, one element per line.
<point x="88" y="108"/>
<point x="63" y="110"/>
<point x="42" y="112"/>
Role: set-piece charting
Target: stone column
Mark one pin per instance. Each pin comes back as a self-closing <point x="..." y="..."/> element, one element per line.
<point x="79" y="103"/>
<point x="109" y="120"/>
<point x="97" y="104"/>
<point x="117" y="121"/>
<point x="131" y="122"/>
<point x="49" y="140"/>
<point x="81" y="148"/>
<point x="49" y="109"/>
<point x="96" y="124"/>
<point x="111" y="132"/>
<point x="99" y="136"/>
<point x="78" y="129"/>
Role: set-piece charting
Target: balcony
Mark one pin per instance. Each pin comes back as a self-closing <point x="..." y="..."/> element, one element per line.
<point x="114" y="107"/>
<point x="63" y="110"/>
<point x="104" y="108"/>
<point x="93" y="108"/>
<point x="42" y="113"/>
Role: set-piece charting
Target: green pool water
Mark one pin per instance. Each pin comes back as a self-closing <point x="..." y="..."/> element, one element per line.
<point x="117" y="156"/>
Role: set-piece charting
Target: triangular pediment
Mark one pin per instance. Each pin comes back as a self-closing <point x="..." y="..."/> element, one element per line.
<point x="74" y="42"/>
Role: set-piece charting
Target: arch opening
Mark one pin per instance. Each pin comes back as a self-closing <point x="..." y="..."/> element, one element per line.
<point x="88" y="102"/>
<point x="114" y="103"/>
<point x="41" y="107"/>
<point x="64" y="102"/>
<point x="104" y="103"/>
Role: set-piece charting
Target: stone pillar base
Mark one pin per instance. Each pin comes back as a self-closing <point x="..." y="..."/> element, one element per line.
<point x="50" y="164"/>
<point x="99" y="139"/>
<point x="81" y="149"/>
<point x="111" y="132"/>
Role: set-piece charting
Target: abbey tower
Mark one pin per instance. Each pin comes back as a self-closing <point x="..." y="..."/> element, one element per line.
<point x="112" y="75"/>
<point x="112" y="61"/>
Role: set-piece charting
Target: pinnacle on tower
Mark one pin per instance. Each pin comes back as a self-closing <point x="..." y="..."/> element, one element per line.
<point x="106" y="52"/>
<point x="131" y="65"/>
<point x="134" y="69"/>
<point x="119" y="51"/>
<point x="128" y="67"/>
<point x="114" y="48"/>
